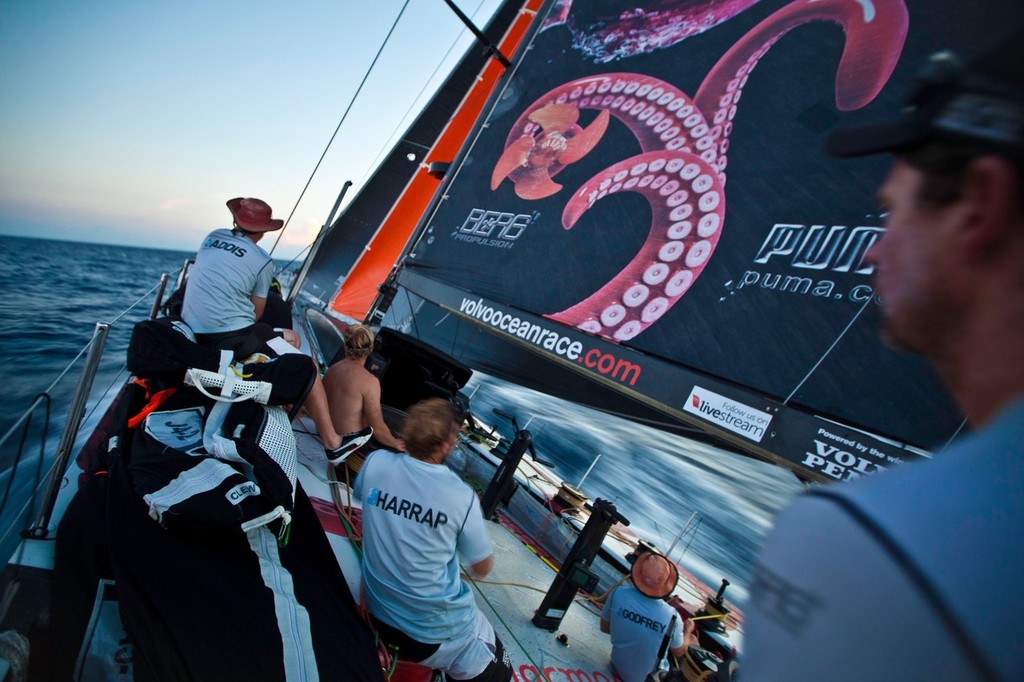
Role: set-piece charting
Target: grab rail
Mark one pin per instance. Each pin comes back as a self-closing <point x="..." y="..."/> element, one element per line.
<point x="76" y="413"/>
<point x="159" y="300"/>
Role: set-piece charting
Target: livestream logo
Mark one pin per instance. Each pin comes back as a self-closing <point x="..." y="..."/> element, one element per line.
<point x="721" y="411"/>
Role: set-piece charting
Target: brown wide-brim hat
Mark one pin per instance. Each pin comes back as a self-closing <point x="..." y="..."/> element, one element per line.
<point x="253" y="215"/>
<point x="654" y="575"/>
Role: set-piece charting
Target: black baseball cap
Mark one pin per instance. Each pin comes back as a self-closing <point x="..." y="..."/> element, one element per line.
<point x="980" y="102"/>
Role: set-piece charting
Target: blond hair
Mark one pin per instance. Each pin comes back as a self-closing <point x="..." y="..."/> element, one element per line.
<point x="358" y="341"/>
<point x="427" y="425"/>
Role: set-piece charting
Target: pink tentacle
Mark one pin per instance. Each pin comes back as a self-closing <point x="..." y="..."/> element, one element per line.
<point x="632" y="98"/>
<point x="684" y="141"/>
<point x="688" y="207"/>
<point x="659" y="115"/>
<point x="875" y="33"/>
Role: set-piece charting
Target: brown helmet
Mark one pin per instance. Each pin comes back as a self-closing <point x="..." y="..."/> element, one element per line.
<point x="253" y="215"/>
<point x="654" y="575"/>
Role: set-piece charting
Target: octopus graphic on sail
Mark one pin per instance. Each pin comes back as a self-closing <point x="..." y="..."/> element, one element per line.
<point x="684" y="143"/>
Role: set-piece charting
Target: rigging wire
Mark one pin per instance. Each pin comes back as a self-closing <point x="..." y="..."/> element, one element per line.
<point x="835" y="342"/>
<point x="21" y="451"/>
<point x="956" y="434"/>
<point x="390" y="143"/>
<point x="117" y="380"/>
<point x="132" y="306"/>
<point x="359" y="89"/>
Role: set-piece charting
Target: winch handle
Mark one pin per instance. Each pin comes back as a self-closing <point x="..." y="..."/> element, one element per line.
<point x="538" y="460"/>
<point x="510" y="417"/>
<point x="516" y="429"/>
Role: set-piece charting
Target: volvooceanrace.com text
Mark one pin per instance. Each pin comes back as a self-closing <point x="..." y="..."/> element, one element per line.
<point x="606" y="364"/>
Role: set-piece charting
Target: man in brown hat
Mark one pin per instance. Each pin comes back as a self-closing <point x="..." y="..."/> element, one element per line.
<point x="227" y="292"/>
<point x="229" y="283"/>
<point x="638" y="618"/>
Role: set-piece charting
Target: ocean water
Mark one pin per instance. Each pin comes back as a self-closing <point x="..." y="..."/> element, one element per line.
<point x="656" y="480"/>
<point x="54" y="292"/>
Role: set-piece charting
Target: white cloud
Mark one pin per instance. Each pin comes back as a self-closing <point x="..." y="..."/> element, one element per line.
<point x="172" y="204"/>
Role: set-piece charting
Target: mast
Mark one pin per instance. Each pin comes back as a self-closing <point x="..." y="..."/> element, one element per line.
<point x="453" y="144"/>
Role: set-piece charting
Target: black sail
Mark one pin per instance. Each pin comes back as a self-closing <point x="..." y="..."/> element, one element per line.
<point x="646" y="222"/>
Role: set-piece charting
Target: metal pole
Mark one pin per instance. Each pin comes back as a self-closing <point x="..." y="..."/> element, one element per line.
<point x="591" y="468"/>
<point x="575" y="572"/>
<point x="503" y="484"/>
<point x="159" y="297"/>
<point x="304" y="270"/>
<point x="40" y="527"/>
<point x="675" y="542"/>
<point x="183" y="273"/>
<point x="488" y="45"/>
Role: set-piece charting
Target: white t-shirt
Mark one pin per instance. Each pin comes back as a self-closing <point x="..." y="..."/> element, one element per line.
<point x="229" y="270"/>
<point x="419" y="519"/>
<point x="912" y="574"/>
<point x="638" y="626"/>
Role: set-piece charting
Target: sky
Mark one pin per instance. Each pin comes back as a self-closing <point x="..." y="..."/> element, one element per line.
<point x="134" y="121"/>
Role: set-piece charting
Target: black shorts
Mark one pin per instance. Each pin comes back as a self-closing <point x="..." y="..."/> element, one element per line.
<point x="244" y="342"/>
<point x="500" y="669"/>
<point x="409" y="649"/>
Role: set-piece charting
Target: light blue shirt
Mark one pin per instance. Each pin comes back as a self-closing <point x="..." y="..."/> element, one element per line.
<point x="638" y="626"/>
<point x="910" y="574"/>
<point x="419" y="519"/>
<point x="229" y="270"/>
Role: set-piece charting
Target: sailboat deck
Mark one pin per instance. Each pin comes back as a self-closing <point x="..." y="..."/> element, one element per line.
<point x="578" y="650"/>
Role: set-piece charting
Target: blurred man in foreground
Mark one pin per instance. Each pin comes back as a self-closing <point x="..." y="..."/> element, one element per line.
<point x="915" y="574"/>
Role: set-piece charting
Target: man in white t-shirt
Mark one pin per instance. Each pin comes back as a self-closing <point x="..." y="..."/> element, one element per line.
<point x="225" y="297"/>
<point x="229" y="283"/>
<point x="419" y="520"/>
<point x="638" y="619"/>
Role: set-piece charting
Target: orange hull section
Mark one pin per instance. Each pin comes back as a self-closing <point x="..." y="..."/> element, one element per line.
<point x="360" y="287"/>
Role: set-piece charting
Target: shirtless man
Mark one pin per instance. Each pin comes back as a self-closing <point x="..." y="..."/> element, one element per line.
<point x="353" y="393"/>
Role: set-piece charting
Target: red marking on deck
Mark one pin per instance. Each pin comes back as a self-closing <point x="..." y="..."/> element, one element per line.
<point x="331" y="522"/>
